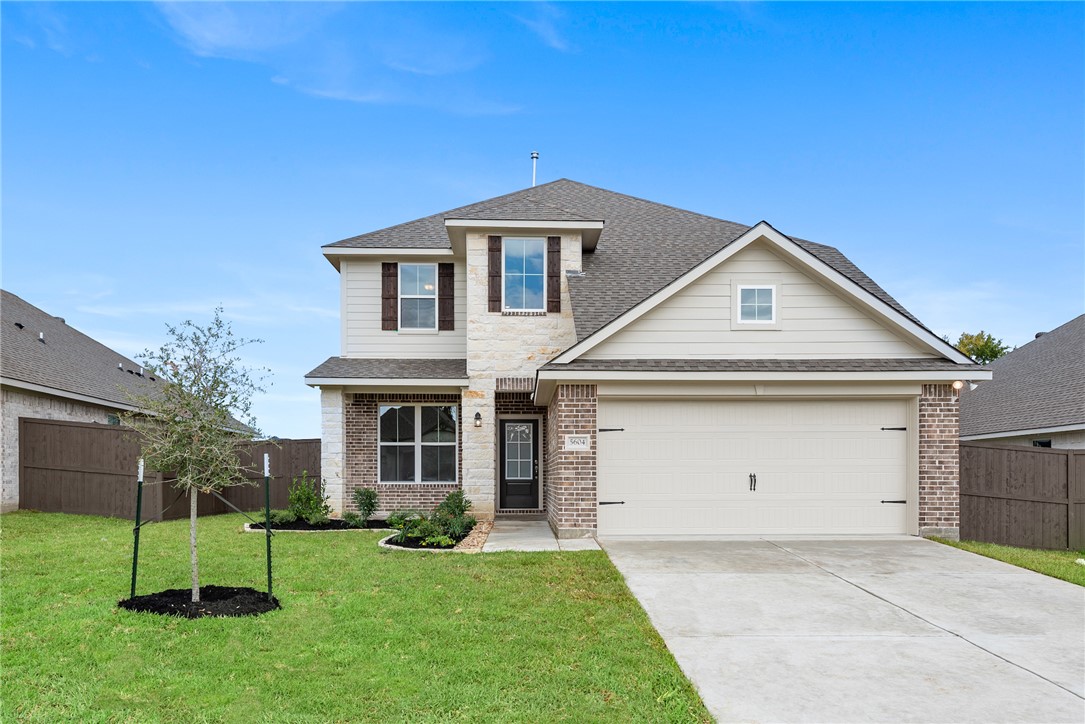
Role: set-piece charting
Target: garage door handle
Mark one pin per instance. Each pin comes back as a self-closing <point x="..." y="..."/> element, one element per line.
<point x="902" y="502"/>
<point x="753" y="481"/>
<point x="611" y="502"/>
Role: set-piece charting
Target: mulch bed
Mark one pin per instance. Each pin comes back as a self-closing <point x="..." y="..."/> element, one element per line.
<point x="214" y="601"/>
<point x="333" y="524"/>
<point x="416" y="545"/>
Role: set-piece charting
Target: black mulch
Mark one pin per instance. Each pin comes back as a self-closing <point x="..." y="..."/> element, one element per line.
<point x="214" y="601"/>
<point x="416" y="544"/>
<point x="334" y="524"/>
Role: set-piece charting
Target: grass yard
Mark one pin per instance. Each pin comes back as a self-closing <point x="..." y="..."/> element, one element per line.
<point x="364" y="634"/>
<point x="1057" y="564"/>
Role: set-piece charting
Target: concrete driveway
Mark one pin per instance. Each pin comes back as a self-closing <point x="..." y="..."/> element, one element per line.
<point x="860" y="630"/>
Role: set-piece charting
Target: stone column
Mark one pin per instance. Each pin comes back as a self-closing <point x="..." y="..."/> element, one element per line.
<point x="331" y="446"/>
<point x="479" y="460"/>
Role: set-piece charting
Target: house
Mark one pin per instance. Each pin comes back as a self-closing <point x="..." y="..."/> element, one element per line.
<point x="626" y="367"/>
<point x="1037" y="396"/>
<point x="49" y="370"/>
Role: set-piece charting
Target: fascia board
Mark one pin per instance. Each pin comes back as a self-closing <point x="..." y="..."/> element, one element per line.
<point x="1032" y="431"/>
<point x="7" y="381"/>
<point x="334" y="253"/>
<point x="657" y="376"/>
<point x="520" y="224"/>
<point x="383" y="382"/>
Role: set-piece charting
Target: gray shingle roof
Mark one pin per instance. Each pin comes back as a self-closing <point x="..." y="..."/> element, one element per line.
<point x="397" y="369"/>
<point x="67" y="361"/>
<point x="1038" y="385"/>
<point x="643" y="247"/>
<point x="756" y="365"/>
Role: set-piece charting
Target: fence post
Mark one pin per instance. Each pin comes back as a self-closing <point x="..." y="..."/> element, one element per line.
<point x="267" y="519"/>
<point x="135" y="531"/>
<point x="1073" y="540"/>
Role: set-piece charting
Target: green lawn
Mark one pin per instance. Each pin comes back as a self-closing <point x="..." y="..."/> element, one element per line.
<point x="364" y="634"/>
<point x="1058" y="564"/>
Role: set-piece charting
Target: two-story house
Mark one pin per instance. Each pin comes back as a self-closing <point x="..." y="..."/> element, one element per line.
<point x="625" y="367"/>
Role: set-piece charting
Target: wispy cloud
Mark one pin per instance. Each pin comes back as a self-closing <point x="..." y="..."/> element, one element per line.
<point x="40" y="25"/>
<point x="353" y="52"/>
<point x="543" y="21"/>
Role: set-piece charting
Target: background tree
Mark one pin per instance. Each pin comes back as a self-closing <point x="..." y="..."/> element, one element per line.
<point x="198" y="412"/>
<point x="981" y="346"/>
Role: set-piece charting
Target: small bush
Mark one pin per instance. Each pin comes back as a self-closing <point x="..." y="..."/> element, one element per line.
<point x="353" y="519"/>
<point x="307" y="500"/>
<point x="448" y="524"/>
<point x="366" y="501"/>
<point x="282" y="517"/>
<point x="454" y="505"/>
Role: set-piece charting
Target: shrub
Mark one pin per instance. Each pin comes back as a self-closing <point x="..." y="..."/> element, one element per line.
<point x="448" y="524"/>
<point x="366" y="501"/>
<point x="353" y="519"/>
<point x="307" y="500"/>
<point x="282" y="517"/>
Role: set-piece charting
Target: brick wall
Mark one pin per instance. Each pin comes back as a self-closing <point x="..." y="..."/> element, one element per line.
<point x="570" y="489"/>
<point x="360" y="469"/>
<point x="519" y="403"/>
<point x="939" y="491"/>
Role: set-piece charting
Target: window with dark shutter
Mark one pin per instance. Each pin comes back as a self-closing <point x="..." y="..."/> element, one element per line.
<point x="390" y="296"/>
<point x="494" y="262"/>
<point x="446" y="306"/>
<point x="553" y="273"/>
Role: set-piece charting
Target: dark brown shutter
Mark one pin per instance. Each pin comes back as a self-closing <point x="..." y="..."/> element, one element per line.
<point x="389" y="295"/>
<point x="446" y="307"/>
<point x="553" y="273"/>
<point x="495" y="273"/>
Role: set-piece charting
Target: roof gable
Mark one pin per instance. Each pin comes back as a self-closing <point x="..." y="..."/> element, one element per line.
<point x="1037" y="386"/>
<point x="798" y="256"/>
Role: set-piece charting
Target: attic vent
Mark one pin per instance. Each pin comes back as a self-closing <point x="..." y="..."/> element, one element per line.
<point x="19" y="325"/>
<point x="60" y="319"/>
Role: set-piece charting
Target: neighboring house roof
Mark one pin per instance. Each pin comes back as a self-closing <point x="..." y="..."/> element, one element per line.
<point x="1037" y="386"/>
<point x="755" y="365"/>
<point x="644" y="246"/>
<point x="390" y="369"/>
<point x="67" y="362"/>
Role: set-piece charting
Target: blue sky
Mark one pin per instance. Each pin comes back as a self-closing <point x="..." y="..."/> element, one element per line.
<point x="161" y="159"/>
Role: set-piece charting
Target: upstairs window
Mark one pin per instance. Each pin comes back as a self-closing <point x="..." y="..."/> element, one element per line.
<point x="418" y="296"/>
<point x="756" y="305"/>
<point x="524" y="274"/>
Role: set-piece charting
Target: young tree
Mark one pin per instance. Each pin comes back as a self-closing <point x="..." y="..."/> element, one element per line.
<point x="982" y="347"/>
<point x="191" y="421"/>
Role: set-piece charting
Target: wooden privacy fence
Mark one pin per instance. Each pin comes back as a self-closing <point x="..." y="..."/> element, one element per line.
<point x="1023" y="496"/>
<point x="75" y="467"/>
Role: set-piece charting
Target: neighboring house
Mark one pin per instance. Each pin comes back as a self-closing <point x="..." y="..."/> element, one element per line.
<point x="49" y="370"/>
<point x="626" y="367"/>
<point x="1037" y="396"/>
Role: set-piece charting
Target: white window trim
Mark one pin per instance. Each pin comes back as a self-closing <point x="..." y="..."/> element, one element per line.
<point x="504" y="248"/>
<point x="738" y="304"/>
<point x="418" y="444"/>
<point x="402" y="296"/>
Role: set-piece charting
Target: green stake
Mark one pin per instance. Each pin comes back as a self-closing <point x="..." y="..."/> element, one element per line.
<point x="267" y="519"/>
<point x="135" y="531"/>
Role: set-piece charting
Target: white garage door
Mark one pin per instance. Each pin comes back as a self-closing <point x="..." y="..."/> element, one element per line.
<point x="684" y="467"/>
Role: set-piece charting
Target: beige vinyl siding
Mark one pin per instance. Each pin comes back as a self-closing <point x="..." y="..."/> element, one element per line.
<point x="362" y="333"/>
<point x="814" y="322"/>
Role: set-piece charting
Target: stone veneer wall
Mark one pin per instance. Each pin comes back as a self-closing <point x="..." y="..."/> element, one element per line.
<point x="519" y="403"/>
<point x="17" y="403"/>
<point x="361" y="451"/>
<point x="570" y="488"/>
<point x="939" y="481"/>
<point x="331" y="446"/>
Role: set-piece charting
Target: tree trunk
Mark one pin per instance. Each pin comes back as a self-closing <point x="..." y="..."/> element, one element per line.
<point x="193" y="494"/>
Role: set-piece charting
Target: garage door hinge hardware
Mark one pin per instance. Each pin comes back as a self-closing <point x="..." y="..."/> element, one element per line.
<point x="611" y="502"/>
<point x="753" y="481"/>
<point x="612" y="429"/>
<point x="895" y="501"/>
<point x="894" y="428"/>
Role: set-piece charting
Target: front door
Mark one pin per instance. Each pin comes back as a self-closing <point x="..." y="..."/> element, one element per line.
<point x="519" y="464"/>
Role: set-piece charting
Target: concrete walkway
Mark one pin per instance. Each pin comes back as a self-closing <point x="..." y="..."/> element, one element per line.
<point x="531" y="535"/>
<point x="858" y="630"/>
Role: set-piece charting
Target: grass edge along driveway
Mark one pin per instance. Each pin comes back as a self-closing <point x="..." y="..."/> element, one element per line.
<point x="364" y="635"/>
<point x="1057" y="564"/>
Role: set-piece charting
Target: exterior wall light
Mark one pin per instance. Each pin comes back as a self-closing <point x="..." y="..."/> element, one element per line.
<point x="958" y="385"/>
<point x="478" y="419"/>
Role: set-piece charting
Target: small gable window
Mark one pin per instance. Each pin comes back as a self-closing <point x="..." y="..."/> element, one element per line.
<point x="524" y="274"/>
<point x="757" y="305"/>
<point x="418" y="296"/>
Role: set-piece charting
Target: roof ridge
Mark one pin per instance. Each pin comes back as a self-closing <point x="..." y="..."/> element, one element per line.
<point x="656" y="203"/>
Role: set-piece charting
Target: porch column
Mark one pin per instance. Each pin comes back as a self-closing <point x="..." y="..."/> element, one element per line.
<point x="331" y="446"/>
<point x="479" y="458"/>
<point x="939" y="481"/>
<point x="570" y="490"/>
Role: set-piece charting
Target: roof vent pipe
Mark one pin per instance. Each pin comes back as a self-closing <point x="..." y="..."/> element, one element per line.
<point x="1038" y="335"/>
<point x="534" y="160"/>
<point x="41" y="337"/>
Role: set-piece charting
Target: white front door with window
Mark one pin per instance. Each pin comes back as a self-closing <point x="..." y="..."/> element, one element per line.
<point x="713" y="467"/>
